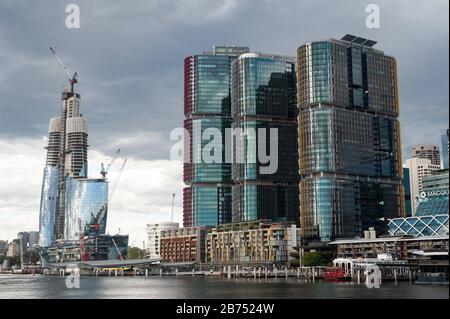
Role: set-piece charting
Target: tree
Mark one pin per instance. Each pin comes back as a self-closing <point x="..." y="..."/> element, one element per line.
<point x="135" y="253"/>
<point x="317" y="258"/>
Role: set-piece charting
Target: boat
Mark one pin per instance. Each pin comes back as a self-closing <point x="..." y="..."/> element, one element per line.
<point x="335" y="274"/>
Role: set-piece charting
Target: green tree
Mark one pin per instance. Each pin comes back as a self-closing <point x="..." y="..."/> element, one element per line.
<point x="135" y="253"/>
<point x="317" y="258"/>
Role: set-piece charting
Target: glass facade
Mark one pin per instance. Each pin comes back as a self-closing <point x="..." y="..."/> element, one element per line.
<point x="47" y="213"/>
<point x="264" y="98"/>
<point x="436" y="225"/>
<point x="434" y="197"/>
<point x="407" y="189"/>
<point x="349" y="140"/>
<point x="86" y="207"/>
<point x="207" y="105"/>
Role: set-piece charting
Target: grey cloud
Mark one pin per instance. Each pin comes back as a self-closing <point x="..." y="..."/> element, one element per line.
<point x="130" y="59"/>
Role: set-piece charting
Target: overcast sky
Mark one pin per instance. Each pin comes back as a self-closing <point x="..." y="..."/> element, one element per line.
<point x="129" y="56"/>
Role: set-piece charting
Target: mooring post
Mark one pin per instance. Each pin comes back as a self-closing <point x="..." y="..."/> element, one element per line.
<point x="313" y="274"/>
<point x="395" y="276"/>
<point x="160" y="272"/>
<point x="146" y="272"/>
<point x="176" y="272"/>
<point x="229" y="272"/>
<point x="359" y="277"/>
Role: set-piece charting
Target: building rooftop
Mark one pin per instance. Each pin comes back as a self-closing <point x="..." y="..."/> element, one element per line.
<point x="386" y="239"/>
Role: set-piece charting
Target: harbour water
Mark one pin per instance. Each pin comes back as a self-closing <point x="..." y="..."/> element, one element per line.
<point x="38" y="286"/>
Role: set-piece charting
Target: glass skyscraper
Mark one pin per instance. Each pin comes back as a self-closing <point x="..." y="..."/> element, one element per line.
<point x="86" y="207"/>
<point x="349" y="139"/>
<point x="207" y="105"/>
<point x="263" y="97"/>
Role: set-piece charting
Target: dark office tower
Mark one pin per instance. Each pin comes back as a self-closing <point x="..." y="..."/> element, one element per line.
<point x="407" y="191"/>
<point x="264" y="97"/>
<point x="349" y="139"/>
<point x="207" y="198"/>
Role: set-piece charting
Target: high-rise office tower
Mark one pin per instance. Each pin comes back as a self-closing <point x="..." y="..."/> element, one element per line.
<point x="207" y="197"/>
<point x="445" y="149"/>
<point x="430" y="152"/>
<point x="418" y="169"/>
<point x="349" y="138"/>
<point x="264" y="102"/>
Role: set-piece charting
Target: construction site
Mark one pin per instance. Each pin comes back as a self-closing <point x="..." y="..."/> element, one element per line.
<point x="74" y="207"/>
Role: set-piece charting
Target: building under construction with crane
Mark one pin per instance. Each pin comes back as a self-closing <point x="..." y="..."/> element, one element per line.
<point x="73" y="211"/>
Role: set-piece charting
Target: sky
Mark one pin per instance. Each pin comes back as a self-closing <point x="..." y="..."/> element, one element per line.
<point x="129" y="57"/>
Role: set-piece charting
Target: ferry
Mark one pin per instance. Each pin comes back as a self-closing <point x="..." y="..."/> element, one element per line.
<point x="335" y="274"/>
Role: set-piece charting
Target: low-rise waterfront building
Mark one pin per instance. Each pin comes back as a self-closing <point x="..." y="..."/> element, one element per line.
<point x="183" y="245"/>
<point x="252" y="242"/>
<point x="154" y="237"/>
<point x="90" y="248"/>
<point x="399" y="247"/>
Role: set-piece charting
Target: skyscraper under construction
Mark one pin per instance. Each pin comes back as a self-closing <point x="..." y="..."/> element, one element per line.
<point x="70" y="202"/>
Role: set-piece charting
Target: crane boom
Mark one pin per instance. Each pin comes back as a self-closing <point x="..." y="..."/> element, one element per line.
<point x="104" y="171"/>
<point x="65" y="67"/>
<point x="118" y="178"/>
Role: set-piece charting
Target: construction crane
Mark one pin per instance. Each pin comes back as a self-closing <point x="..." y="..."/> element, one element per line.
<point x="65" y="67"/>
<point x="117" y="180"/>
<point x="173" y="201"/>
<point x="104" y="171"/>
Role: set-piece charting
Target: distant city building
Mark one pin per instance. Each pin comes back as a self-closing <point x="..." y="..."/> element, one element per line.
<point x="13" y="248"/>
<point x="434" y="195"/>
<point x="184" y="245"/>
<point x="255" y="242"/>
<point x="349" y="139"/>
<point x="399" y="247"/>
<point x="430" y="152"/>
<point x="445" y="149"/>
<point x="33" y="239"/>
<point x="407" y="191"/>
<point x="419" y="226"/>
<point x="207" y="105"/>
<point x="418" y="168"/>
<point x="25" y="237"/>
<point x="263" y="100"/>
<point x="154" y="237"/>
<point x="3" y="247"/>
